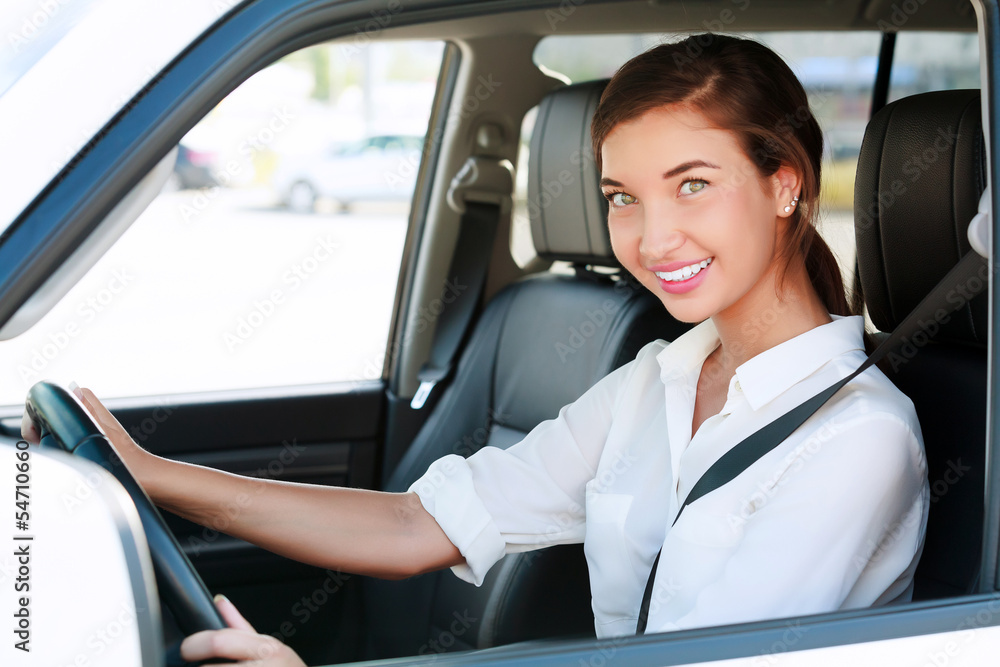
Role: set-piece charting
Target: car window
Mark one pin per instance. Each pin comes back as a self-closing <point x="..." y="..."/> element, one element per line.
<point x="269" y="260"/>
<point x="934" y="61"/>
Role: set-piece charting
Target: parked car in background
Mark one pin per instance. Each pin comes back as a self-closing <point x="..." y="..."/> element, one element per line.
<point x="377" y="168"/>
<point x="194" y="169"/>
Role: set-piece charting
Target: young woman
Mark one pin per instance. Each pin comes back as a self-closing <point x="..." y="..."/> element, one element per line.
<point x="710" y="161"/>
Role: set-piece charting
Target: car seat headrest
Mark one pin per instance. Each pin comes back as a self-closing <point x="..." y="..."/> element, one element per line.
<point x="920" y="175"/>
<point x="568" y="213"/>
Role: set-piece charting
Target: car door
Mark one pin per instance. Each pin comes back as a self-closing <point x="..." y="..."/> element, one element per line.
<point x="225" y="330"/>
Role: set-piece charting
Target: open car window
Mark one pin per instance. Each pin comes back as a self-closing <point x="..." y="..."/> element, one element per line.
<point x="44" y="41"/>
<point x="269" y="259"/>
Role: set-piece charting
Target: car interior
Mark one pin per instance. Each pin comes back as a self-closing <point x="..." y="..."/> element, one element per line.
<point x="922" y="168"/>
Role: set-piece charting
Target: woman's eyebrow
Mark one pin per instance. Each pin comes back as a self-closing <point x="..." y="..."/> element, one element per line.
<point x="681" y="168"/>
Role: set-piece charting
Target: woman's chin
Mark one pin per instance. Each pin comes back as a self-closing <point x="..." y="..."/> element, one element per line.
<point x="687" y="310"/>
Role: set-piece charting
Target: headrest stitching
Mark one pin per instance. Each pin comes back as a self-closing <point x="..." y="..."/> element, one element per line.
<point x="976" y="136"/>
<point x="584" y="135"/>
<point x="877" y="215"/>
<point x="536" y="173"/>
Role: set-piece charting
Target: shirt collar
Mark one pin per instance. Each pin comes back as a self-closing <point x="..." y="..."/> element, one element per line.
<point x="772" y="372"/>
<point x="682" y="359"/>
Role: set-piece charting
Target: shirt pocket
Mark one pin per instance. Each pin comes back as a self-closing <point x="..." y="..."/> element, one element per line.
<point x="707" y="526"/>
<point x="612" y="577"/>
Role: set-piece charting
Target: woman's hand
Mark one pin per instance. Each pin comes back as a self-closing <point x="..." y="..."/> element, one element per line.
<point x="136" y="458"/>
<point x="239" y="642"/>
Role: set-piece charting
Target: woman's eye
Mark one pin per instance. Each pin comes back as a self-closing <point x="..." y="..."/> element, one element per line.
<point x="693" y="186"/>
<point x="621" y="199"/>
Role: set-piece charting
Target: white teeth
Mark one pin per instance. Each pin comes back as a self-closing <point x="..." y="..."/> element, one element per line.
<point x="685" y="272"/>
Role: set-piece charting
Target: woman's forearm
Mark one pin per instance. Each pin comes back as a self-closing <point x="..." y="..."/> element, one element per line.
<point x="387" y="535"/>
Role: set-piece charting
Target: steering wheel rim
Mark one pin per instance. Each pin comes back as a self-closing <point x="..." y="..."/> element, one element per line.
<point x="63" y="421"/>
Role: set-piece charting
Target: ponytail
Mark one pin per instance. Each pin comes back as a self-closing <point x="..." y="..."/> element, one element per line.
<point x="824" y="272"/>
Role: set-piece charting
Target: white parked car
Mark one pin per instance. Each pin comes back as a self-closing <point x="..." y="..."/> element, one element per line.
<point x="378" y="168"/>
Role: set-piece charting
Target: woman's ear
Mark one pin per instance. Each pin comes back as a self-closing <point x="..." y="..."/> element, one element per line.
<point x="787" y="187"/>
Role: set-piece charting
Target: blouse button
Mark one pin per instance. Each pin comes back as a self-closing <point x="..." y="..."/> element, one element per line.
<point x="737" y="386"/>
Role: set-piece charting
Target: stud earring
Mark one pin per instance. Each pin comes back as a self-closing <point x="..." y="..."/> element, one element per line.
<point x="794" y="201"/>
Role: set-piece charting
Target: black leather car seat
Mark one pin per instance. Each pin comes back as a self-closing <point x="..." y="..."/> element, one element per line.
<point x="920" y="174"/>
<point x="538" y="345"/>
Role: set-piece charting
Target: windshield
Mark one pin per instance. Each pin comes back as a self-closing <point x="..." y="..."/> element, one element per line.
<point x="91" y="56"/>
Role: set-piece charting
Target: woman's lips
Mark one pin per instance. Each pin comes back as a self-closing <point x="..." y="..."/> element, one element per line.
<point x="677" y="283"/>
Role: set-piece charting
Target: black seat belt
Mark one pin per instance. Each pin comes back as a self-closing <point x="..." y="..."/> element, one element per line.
<point x="481" y="192"/>
<point x="967" y="279"/>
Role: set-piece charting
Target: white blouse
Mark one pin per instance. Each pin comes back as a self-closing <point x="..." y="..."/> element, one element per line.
<point x="832" y="518"/>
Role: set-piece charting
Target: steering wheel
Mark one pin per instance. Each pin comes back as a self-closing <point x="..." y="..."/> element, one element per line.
<point x="62" y="421"/>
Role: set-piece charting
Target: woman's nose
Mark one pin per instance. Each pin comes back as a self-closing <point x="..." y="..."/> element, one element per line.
<point x="660" y="239"/>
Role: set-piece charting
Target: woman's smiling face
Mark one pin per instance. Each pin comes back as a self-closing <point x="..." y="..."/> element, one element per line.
<point x="690" y="217"/>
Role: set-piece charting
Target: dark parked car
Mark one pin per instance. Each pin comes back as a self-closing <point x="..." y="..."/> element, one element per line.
<point x="194" y="169"/>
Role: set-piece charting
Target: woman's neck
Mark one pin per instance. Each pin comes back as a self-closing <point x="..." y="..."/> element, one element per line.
<point x="768" y="316"/>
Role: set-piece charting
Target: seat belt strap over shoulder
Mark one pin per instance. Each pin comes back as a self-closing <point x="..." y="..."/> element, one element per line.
<point x="969" y="277"/>
<point x="481" y="193"/>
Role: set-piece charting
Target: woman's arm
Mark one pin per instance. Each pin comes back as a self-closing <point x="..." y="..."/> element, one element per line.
<point x="387" y="535"/>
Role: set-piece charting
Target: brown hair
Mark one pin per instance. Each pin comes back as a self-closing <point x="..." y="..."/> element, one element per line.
<point x="742" y="86"/>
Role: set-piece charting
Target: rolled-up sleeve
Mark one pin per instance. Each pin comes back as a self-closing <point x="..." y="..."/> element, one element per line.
<point x="528" y="496"/>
